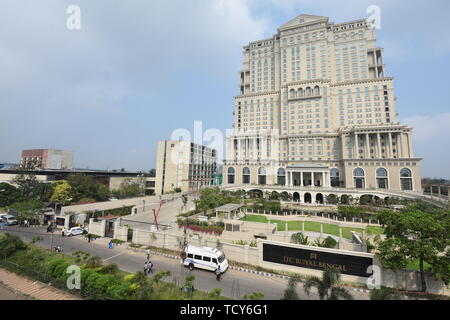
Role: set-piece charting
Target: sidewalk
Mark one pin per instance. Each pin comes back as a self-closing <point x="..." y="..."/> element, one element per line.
<point x="35" y="289"/>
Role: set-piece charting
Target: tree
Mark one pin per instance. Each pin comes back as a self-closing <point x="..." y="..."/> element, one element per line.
<point x="84" y="186"/>
<point x="132" y="187"/>
<point x="27" y="182"/>
<point x="8" y="194"/>
<point x="417" y="235"/>
<point x="62" y="193"/>
<point x="27" y="210"/>
<point x="332" y="199"/>
<point x="290" y="293"/>
<point x="384" y="294"/>
<point x="327" y="286"/>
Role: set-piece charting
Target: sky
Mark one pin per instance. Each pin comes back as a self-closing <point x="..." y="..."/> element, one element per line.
<point x="135" y="71"/>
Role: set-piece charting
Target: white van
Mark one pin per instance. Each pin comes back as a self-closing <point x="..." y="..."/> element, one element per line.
<point x="10" y="220"/>
<point x="205" y="258"/>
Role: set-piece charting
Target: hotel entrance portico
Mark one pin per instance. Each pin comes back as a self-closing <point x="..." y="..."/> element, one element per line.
<point x="308" y="175"/>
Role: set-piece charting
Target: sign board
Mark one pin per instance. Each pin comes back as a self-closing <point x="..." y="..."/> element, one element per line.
<point x="345" y="263"/>
<point x="203" y="218"/>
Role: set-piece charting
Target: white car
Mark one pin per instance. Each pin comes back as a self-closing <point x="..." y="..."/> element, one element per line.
<point x="113" y="199"/>
<point x="75" y="231"/>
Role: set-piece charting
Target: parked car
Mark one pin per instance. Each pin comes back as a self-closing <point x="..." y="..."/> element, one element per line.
<point x="75" y="231"/>
<point x="9" y="220"/>
<point x="113" y="199"/>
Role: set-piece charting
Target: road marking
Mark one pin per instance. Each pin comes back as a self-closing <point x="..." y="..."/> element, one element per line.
<point x="113" y="256"/>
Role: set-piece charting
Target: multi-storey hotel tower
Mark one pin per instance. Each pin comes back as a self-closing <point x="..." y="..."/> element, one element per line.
<point x="317" y="111"/>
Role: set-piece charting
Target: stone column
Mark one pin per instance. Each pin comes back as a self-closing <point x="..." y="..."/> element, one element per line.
<point x="402" y="144"/>
<point x="411" y="153"/>
<point x="239" y="149"/>
<point x="367" y="146"/>
<point x="380" y="154"/>
<point x="312" y="178"/>
<point x="357" y="146"/>
<point x="301" y="178"/>
<point x="255" y="152"/>
<point x="391" y="153"/>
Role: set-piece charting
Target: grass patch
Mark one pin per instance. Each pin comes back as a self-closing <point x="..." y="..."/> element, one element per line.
<point x="375" y="230"/>
<point x="312" y="226"/>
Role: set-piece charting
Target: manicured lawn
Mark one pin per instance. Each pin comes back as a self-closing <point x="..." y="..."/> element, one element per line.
<point x="374" y="230"/>
<point x="312" y="226"/>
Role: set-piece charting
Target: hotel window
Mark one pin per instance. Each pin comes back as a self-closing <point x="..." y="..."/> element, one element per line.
<point x="358" y="178"/>
<point x="382" y="178"/>
<point x="406" y="179"/>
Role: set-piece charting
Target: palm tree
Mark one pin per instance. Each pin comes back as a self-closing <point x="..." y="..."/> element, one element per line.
<point x="327" y="286"/>
<point x="290" y="293"/>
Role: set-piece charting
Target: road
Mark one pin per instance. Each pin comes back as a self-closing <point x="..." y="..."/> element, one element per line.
<point x="272" y="288"/>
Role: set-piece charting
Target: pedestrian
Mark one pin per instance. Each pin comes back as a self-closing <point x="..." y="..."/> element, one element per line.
<point x="218" y="273"/>
<point x="63" y="231"/>
<point x="148" y="253"/>
<point x="146" y="267"/>
<point x="150" y="266"/>
<point x="89" y="238"/>
<point x="110" y="244"/>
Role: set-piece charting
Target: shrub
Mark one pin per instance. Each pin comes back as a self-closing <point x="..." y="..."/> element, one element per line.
<point x="9" y="244"/>
<point x="299" y="238"/>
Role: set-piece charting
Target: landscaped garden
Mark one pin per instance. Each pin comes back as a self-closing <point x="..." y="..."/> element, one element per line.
<point x="312" y="226"/>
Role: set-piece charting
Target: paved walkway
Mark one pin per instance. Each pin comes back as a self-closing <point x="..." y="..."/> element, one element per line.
<point x="35" y="289"/>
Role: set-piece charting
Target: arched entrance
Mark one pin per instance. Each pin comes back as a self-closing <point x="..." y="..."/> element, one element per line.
<point x="308" y="197"/>
<point x="296" y="197"/>
<point x="255" y="193"/>
<point x="319" y="198"/>
<point x="345" y="199"/>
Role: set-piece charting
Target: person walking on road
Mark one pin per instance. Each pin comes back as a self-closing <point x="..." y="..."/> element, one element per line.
<point x="146" y="267"/>
<point x="150" y="266"/>
<point x="63" y="232"/>
<point x="218" y="273"/>
<point x="110" y="244"/>
<point x="148" y="253"/>
<point x="89" y="237"/>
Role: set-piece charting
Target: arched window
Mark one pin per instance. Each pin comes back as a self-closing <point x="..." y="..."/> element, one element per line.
<point x="231" y="172"/>
<point x="308" y="92"/>
<point x="292" y="93"/>
<point x="406" y="179"/>
<point x="382" y="178"/>
<point x="300" y="92"/>
<point x="246" y="175"/>
<point x="316" y="91"/>
<point x="281" y="177"/>
<point x="358" y="178"/>
<point x="261" y="176"/>
<point x="334" y="174"/>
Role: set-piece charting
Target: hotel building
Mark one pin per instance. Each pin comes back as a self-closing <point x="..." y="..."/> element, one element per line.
<point x="317" y="109"/>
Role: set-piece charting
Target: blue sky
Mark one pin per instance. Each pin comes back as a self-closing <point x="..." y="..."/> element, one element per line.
<point x="137" y="70"/>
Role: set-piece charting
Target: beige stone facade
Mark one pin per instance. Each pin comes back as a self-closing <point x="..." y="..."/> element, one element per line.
<point x="185" y="165"/>
<point x="316" y="96"/>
